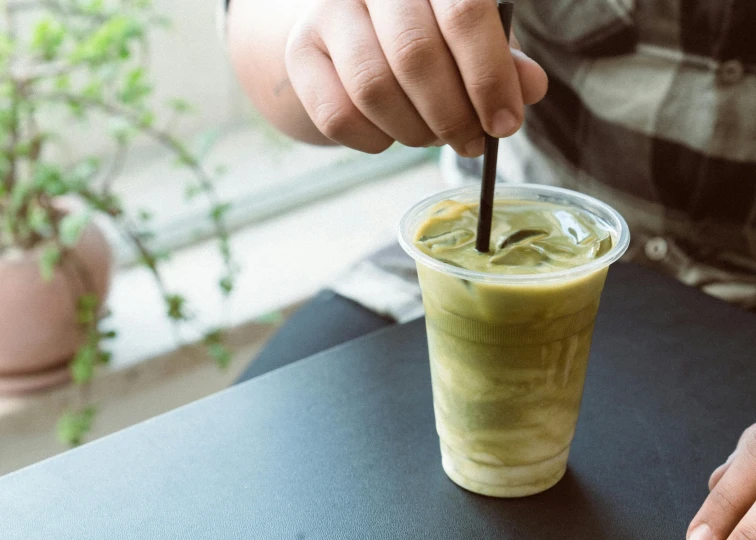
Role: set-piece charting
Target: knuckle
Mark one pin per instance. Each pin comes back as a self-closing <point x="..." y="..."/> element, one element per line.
<point x="300" y="42"/>
<point x="333" y="119"/>
<point x="464" y="15"/>
<point x="749" y="442"/>
<point x="722" y="499"/>
<point x="294" y="46"/>
<point x="486" y="83"/>
<point x="414" y="50"/>
<point x="371" y="82"/>
<point x="456" y="128"/>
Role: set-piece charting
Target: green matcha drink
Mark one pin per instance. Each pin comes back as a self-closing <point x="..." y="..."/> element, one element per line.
<point x="509" y="331"/>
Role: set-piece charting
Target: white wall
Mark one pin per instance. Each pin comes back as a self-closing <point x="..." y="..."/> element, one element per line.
<point x="187" y="61"/>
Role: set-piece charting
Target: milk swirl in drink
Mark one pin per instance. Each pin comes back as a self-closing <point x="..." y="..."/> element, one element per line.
<point x="509" y="331"/>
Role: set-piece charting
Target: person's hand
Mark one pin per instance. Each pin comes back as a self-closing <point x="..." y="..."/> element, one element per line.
<point x="421" y="72"/>
<point x="729" y="512"/>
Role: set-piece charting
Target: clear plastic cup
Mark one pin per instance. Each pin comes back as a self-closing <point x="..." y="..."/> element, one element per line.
<point x="509" y="353"/>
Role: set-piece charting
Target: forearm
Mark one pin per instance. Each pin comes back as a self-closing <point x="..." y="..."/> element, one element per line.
<point x="257" y="32"/>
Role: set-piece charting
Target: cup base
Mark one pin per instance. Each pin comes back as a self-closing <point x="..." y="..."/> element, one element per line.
<point x="501" y="480"/>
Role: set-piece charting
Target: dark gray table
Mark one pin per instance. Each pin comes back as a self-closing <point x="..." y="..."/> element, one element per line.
<point x="342" y="445"/>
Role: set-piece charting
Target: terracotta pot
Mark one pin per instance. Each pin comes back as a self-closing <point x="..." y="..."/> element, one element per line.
<point x="38" y="330"/>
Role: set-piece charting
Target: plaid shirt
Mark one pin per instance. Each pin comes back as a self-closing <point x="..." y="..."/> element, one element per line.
<point x="652" y="108"/>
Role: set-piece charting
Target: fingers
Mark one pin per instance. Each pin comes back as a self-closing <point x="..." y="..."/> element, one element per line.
<point x="533" y="80"/>
<point x="746" y="529"/>
<point x="475" y="36"/>
<point x="732" y="496"/>
<point x="425" y="69"/>
<point x="422" y="72"/>
<point x="325" y="99"/>
<point x="367" y="77"/>
<point x="719" y="472"/>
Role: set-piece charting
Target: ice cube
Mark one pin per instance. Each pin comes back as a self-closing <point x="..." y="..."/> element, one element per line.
<point x="447" y="240"/>
<point x="520" y="255"/>
<point x="520" y="236"/>
<point x="572" y="226"/>
<point x="604" y="246"/>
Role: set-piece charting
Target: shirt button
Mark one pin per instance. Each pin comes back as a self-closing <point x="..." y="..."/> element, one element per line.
<point x="731" y="72"/>
<point x="656" y="248"/>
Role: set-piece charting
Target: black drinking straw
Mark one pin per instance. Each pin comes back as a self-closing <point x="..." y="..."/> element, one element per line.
<point x="506" y="9"/>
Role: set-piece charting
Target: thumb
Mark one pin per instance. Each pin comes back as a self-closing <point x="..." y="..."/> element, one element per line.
<point x="533" y="79"/>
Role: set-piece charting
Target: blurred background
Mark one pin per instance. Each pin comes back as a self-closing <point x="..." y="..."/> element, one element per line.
<point x="296" y="216"/>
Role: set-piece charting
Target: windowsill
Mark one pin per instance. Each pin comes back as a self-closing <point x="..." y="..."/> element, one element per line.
<point x="149" y="375"/>
<point x="325" y="237"/>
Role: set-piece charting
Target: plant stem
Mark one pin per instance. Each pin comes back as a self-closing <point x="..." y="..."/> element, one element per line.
<point x="161" y="136"/>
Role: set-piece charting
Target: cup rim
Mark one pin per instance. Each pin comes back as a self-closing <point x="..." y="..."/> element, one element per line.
<point x="536" y="192"/>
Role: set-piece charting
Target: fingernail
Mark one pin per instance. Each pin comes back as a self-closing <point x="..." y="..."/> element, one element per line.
<point x="702" y="532"/>
<point x="504" y="123"/>
<point x="475" y="147"/>
<point x="438" y="142"/>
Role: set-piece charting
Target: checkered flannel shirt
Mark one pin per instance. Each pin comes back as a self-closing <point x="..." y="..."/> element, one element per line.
<point x="652" y="108"/>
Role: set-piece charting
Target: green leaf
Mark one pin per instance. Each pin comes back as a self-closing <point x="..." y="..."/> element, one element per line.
<point x="83" y="364"/>
<point x="93" y="91"/>
<point x="86" y="309"/>
<point x="74" y="425"/>
<point x="76" y="109"/>
<point x="111" y="42"/>
<point x="180" y="106"/>
<point x="94" y="7"/>
<point x="63" y="82"/>
<point x="72" y="226"/>
<point x="50" y="179"/>
<point x="7" y="47"/>
<point x="146" y="119"/>
<point x="135" y="87"/>
<point x="105" y="357"/>
<point x="83" y="172"/>
<point x="50" y="257"/>
<point x="149" y="261"/>
<point x="274" y="318"/>
<point x="108" y="204"/>
<point x="220" y="210"/>
<point x="39" y="221"/>
<point x="221" y="354"/>
<point x="217" y="349"/>
<point x="213" y="336"/>
<point x="176" y="307"/>
<point x="224" y="246"/>
<point x="47" y="37"/>
<point x="192" y="190"/>
<point x="226" y="285"/>
<point x="185" y="159"/>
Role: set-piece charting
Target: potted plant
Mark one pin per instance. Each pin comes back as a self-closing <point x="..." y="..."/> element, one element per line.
<point x="77" y="61"/>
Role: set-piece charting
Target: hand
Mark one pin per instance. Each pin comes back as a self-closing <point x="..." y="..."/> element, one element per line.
<point x="729" y="512"/>
<point x="421" y="72"/>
